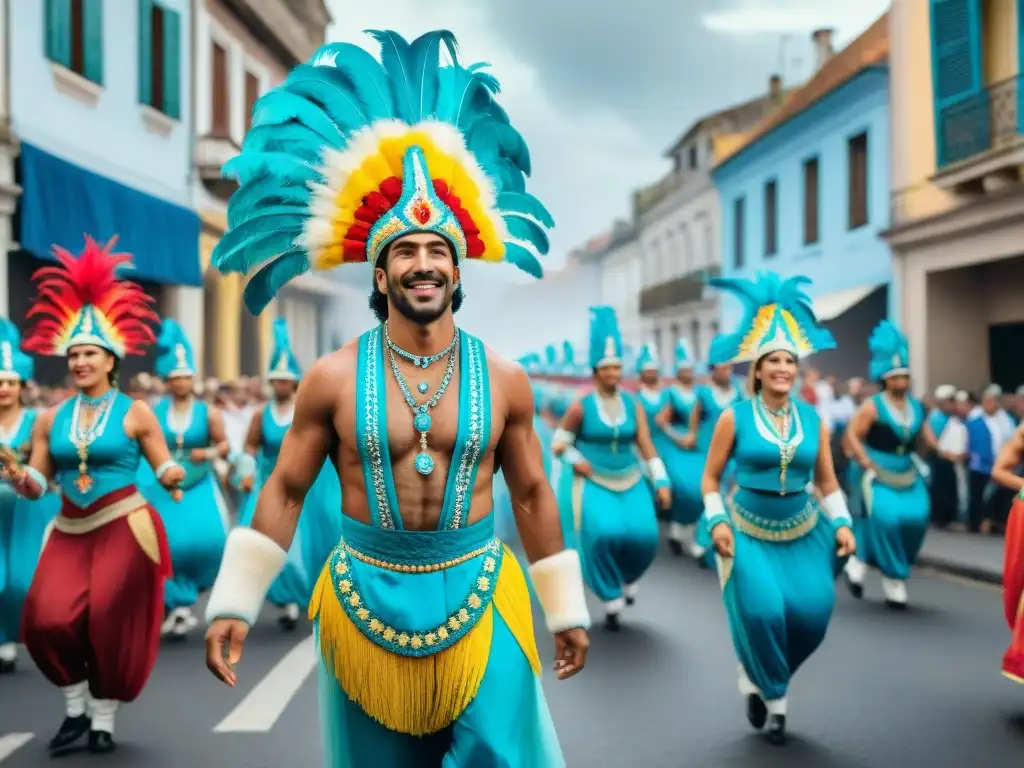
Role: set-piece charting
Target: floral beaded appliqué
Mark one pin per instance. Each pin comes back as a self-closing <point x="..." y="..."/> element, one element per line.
<point x="471" y="451"/>
<point x="371" y="407"/>
<point x="403" y="642"/>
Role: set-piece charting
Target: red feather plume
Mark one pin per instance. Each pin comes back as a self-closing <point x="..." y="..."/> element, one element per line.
<point x="89" y="279"/>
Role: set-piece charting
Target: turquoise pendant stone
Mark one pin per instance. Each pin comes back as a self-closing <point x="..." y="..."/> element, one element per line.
<point x="424" y="464"/>
<point x="423" y="387"/>
<point x="421" y="422"/>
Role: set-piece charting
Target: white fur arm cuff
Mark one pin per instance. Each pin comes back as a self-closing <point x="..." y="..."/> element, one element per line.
<point x="558" y="584"/>
<point x="572" y="456"/>
<point x="714" y="510"/>
<point x="562" y="438"/>
<point x="251" y="563"/>
<point x="657" y="472"/>
<point x="836" y="509"/>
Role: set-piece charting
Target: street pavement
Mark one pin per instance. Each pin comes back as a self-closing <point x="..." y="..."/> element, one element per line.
<point x="886" y="690"/>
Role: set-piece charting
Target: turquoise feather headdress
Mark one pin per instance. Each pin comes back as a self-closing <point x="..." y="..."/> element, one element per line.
<point x="14" y="364"/>
<point x="890" y="353"/>
<point x="283" y="363"/>
<point x="683" y="357"/>
<point x="569" y="367"/>
<point x="777" y="316"/>
<point x="647" y="359"/>
<point x="550" y="359"/>
<point x="175" y="357"/>
<point x="531" y="363"/>
<point x="605" y="339"/>
<point x="349" y="154"/>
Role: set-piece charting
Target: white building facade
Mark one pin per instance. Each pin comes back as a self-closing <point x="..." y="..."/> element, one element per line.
<point x="621" y="275"/>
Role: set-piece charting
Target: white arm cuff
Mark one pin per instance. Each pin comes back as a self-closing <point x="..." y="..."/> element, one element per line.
<point x="656" y="469"/>
<point x="572" y="456"/>
<point x="562" y="438"/>
<point x="251" y="563"/>
<point x="558" y="584"/>
<point x="835" y="507"/>
<point x="714" y="506"/>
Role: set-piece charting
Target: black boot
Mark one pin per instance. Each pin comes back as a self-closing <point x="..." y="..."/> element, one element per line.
<point x="857" y="590"/>
<point x="287" y="623"/>
<point x="675" y="547"/>
<point x="895" y="606"/>
<point x="71" y="730"/>
<point x="776" y="733"/>
<point x="7" y="667"/>
<point x="757" y="712"/>
<point x="101" y="742"/>
<point x="611" y="622"/>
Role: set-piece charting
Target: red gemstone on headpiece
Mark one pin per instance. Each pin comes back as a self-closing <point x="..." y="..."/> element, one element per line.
<point x="421" y="212"/>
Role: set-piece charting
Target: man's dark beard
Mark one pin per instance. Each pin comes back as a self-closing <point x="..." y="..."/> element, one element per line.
<point x="405" y="307"/>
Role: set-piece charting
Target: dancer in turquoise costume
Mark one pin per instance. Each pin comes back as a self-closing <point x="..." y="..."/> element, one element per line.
<point x="894" y="507"/>
<point x="713" y="398"/>
<point x="197" y="527"/>
<point x="609" y="506"/>
<point x="776" y="552"/>
<point x="422" y="616"/>
<point x="22" y="522"/>
<point x="683" y="458"/>
<point x="321" y="528"/>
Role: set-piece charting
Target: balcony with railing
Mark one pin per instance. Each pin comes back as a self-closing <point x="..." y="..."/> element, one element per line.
<point x="981" y="136"/>
<point x="676" y="292"/>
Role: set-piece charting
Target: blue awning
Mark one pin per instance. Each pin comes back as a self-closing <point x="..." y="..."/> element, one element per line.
<point x="61" y="202"/>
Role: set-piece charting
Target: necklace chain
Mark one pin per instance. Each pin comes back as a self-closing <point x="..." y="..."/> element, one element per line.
<point x="420" y="361"/>
<point x="101" y="408"/>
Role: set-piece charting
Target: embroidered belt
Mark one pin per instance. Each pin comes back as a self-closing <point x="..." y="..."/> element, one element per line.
<point x="898" y="480"/>
<point x="764" y="529"/>
<point x="398" y="567"/>
<point x="120" y="506"/>
<point x="617" y="483"/>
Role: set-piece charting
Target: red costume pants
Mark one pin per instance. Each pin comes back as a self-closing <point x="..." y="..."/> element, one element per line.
<point x="95" y="606"/>
<point x="1013" y="591"/>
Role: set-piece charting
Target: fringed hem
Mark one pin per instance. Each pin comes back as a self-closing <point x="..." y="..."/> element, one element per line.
<point x="419" y="695"/>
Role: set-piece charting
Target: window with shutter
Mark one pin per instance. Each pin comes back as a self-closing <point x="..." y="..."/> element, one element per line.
<point x="74" y="36"/>
<point x="857" y="173"/>
<point x="811" y="199"/>
<point x="738" y="234"/>
<point x="961" y="123"/>
<point x="220" y="109"/>
<point x="160" y="58"/>
<point x="252" y="93"/>
<point x="771" y="220"/>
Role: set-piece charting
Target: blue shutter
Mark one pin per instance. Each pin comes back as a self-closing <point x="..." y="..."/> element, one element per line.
<point x="58" y="31"/>
<point x="92" y="40"/>
<point x="145" y="52"/>
<point x="956" y="77"/>
<point x="172" y="64"/>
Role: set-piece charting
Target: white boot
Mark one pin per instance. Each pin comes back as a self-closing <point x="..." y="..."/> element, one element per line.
<point x="895" y="592"/>
<point x="677" y="532"/>
<point x="8" y="652"/>
<point x="629" y="592"/>
<point x="856" y="571"/>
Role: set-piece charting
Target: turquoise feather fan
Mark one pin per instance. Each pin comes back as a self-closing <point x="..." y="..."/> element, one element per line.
<point x="890" y="353"/>
<point x="605" y="340"/>
<point x="283" y="363"/>
<point x="314" y="167"/>
<point x="174" y="352"/>
<point x="14" y="363"/>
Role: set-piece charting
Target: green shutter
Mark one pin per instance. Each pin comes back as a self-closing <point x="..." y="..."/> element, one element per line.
<point x="92" y="40"/>
<point x="58" y="31"/>
<point x="145" y="51"/>
<point x="961" y="129"/>
<point x="172" y="64"/>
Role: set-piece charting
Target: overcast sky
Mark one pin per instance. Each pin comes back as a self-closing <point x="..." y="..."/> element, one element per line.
<point x="599" y="92"/>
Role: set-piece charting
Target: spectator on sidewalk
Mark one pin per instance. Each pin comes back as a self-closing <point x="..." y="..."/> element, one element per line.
<point x="988" y="430"/>
<point x="952" y="437"/>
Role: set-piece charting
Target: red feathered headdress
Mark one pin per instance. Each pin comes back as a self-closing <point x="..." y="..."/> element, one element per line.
<point x="82" y="301"/>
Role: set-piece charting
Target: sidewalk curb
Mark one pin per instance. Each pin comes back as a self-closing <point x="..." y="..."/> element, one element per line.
<point x="963" y="570"/>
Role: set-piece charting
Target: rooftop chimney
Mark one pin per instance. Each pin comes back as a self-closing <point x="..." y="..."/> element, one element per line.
<point x="822" y="39"/>
<point x="775" y="89"/>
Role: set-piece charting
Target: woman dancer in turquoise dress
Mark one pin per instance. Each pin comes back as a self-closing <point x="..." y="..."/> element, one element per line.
<point x="683" y="459"/>
<point x="894" y="506"/>
<point x="713" y="398"/>
<point x="23" y="522"/>
<point x="776" y="552"/>
<point x="613" y="520"/>
<point x="197" y="527"/>
<point x="320" y="528"/>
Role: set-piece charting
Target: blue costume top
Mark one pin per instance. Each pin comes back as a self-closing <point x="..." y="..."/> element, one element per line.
<point x="891" y="438"/>
<point x="272" y="434"/>
<point x="757" y="448"/>
<point x="113" y="457"/>
<point x="606" y="441"/>
<point x="196" y="434"/>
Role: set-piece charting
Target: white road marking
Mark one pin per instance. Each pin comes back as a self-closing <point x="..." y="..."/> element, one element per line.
<point x="12" y="742"/>
<point x="260" y="710"/>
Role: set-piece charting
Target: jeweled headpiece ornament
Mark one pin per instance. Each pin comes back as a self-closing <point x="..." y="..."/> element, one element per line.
<point x="777" y="316"/>
<point x="15" y="365"/>
<point x="605" y="339"/>
<point x="82" y="301"/>
<point x="349" y="154"/>
<point x="284" y="365"/>
<point x="890" y="354"/>
<point x="175" y="352"/>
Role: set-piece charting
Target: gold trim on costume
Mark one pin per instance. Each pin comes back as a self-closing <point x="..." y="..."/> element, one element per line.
<point x="614" y="484"/>
<point x="77" y="526"/>
<point x="900" y="481"/>
<point x="761" y="528"/>
<point x="407" y="568"/>
<point x="141" y="523"/>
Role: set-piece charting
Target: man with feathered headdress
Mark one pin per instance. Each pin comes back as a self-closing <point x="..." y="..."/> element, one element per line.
<point x="410" y="165"/>
<point x="92" y="615"/>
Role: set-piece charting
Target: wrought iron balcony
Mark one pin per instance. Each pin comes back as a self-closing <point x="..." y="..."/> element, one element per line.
<point x="979" y="124"/>
<point x="674" y="293"/>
